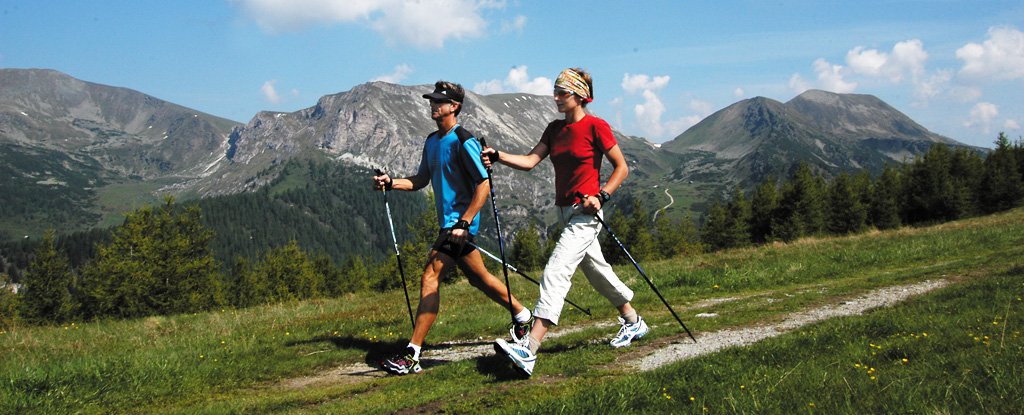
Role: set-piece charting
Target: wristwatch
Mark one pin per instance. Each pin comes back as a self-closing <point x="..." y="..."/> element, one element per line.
<point x="604" y="196"/>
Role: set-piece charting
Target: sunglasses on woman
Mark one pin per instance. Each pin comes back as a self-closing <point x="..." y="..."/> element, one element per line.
<point x="562" y="93"/>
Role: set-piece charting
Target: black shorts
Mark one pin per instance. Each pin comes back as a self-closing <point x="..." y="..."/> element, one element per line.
<point x="454" y="250"/>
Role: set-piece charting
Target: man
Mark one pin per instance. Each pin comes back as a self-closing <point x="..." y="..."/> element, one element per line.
<point x="451" y="164"/>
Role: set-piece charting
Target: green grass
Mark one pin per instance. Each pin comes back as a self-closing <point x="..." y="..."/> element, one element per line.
<point x="230" y="361"/>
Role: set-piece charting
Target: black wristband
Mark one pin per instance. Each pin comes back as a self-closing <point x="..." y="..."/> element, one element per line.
<point x="493" y="157"/>
<point x="461" y="224"/>
<point x="604" y="196"/>
<point x="389" y="183"/>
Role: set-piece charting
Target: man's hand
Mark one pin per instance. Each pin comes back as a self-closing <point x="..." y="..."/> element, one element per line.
<point x="381" y="181"/>
<point x="458" y="236"/>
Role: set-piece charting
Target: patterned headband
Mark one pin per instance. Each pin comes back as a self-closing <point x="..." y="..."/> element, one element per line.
<point x="572" y="81"/>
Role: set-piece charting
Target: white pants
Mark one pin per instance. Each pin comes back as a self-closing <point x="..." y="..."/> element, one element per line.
<point x="578" y="246"/>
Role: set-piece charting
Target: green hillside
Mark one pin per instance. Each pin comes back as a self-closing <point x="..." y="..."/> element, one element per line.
<point x="955" y="350"/>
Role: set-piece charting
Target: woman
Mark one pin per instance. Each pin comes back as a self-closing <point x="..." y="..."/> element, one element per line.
<point x="576" y="145"/>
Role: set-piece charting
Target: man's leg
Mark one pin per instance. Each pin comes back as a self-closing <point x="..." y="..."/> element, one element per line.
<point x="472" y="265"/>
<point x="430" y="295"/>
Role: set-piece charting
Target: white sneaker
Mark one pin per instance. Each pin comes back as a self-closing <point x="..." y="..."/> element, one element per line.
<point x="519" y="355"/>
<point x="629" y="332"/>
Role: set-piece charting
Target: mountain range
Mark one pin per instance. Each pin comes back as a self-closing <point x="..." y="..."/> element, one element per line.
<point x="78" y="154"/>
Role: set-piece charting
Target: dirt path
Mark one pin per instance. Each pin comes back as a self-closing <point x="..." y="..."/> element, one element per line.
<point x="671" y="200"/>
<point x="650" y="355"/>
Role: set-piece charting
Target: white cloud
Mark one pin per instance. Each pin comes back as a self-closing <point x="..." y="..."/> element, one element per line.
<point x="798" y="84"/>
<point x="830" y="77"/>
<point x="401" y="72"/>
<point x="906" y="61"/>
<point x="981" y="116"/>
<point x="701" y="108"/>
<point x="269" y="92"/>
<point x="1001" y="56"/>
<point x="291" y="15"/>
<point x="636" y="83"/>
<point x="739" y="93"/>
<point x="649" y="113"/>
<point x="965" y="93"/>
<point x="925" y="89"/>
<point x="515" y="25"/>
<point x="428" y="23"/>
<point x="425" y="23"/>
<point x="1011" y="125"/>
<point x="517" y="80"/>
<point x="908" y="57"/>
<point x="489" y="87"/>
<point x="868" y="62"/>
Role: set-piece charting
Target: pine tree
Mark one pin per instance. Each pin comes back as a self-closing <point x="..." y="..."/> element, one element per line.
<point x="715" y="232"/>
<point x="739" y="214"/>
<point x="355" y="275"/>
<point x="526" y="252"/>
<point x="676" y="237"/>
<point x="8" y="304"/>
<point x="885" y="200"/>
<point x="1001" y="186"/>
<point x="930" y="191"/>
<point x="846" y="213"/>
<point x="157" y="262"/>
<point x="612" y="253"/>
<point x="640" y="242"/>
<point x="48" y="282"/>
<point x="800" y="211"/>
<point x="762" y="204"/>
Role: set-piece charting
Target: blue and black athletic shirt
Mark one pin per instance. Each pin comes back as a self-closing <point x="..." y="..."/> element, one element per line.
<point x="453" y="164"/>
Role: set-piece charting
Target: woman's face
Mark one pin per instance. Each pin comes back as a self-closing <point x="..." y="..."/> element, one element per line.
<point x="565" y="100"/>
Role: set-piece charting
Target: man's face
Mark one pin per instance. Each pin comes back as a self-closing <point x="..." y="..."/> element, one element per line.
<point x="441" y="108"/>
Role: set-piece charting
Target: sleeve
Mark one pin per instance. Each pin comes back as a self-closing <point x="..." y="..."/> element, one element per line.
<point x="470" y="156"/>
<point x="605" y="139"/>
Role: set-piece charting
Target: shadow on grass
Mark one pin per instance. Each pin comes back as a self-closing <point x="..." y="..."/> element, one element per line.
<point x="500" y="367"/>
<point x="376" y="351"/>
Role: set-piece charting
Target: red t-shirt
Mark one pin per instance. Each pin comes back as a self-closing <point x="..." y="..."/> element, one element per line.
<point x="576" y="154"/>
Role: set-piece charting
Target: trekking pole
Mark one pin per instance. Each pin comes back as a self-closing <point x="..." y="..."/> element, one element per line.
<point x="398" y="254"/>
<point x="509" y="266"/>
<point x="644" y="274"/>
<point x="501" y="243"/>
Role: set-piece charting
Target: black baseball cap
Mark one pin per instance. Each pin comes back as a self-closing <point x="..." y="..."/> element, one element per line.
<point x="444" y="91"/>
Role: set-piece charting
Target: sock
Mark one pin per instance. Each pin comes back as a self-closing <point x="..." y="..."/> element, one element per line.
<point x="523" y="316"/>
<point x="534" y="345"/>
<point x="415" y="351"/>
<point x="630" y="317"/>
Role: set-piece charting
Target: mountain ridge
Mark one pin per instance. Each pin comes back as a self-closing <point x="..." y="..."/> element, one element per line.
<point x="117" y="135"/>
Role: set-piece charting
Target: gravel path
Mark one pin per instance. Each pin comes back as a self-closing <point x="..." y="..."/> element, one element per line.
<point x="653" y="356"/>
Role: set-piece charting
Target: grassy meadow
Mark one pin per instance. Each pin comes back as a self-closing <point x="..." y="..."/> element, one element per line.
<point x="958" y="349"/>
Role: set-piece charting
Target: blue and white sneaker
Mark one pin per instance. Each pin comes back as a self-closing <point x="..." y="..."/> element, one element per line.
<point x="519" y="354"/>
<point x="629" y="332"/>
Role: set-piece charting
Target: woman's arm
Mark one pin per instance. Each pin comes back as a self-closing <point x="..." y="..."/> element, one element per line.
<point x="523" y="162"/>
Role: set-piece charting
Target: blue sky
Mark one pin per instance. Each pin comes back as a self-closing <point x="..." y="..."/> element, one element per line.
<point x="956" y="67"/>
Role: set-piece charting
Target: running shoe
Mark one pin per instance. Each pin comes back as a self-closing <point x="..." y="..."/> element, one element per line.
<point x="629" y="332"/>
<point x="520" y="355"/>
<point x="403" y="363"/>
